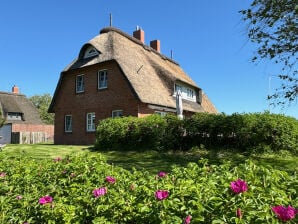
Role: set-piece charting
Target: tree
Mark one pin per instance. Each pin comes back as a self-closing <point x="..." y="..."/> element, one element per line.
<point x="273" y="26"/>
<point x="42" y="103"/>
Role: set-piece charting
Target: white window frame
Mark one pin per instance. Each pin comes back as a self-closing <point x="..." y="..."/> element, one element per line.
<point x="187" y="93"/>
<point x="117" y="113"/>
<point x="90" y="52"/>
<point x="68" y="123"/>
<point x="102" y="84"/>
<point x="80" y="83"/>
<point x="90" y="122"/>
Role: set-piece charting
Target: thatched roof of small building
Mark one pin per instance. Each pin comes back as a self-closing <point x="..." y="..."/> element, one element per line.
<point x="18" y="103"/>
<point x="151" y="74"/>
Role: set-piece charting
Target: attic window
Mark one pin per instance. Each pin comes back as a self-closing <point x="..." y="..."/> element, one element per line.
<point x="90" y="52"/>
<point x="12" y="116"/>
<point x="187" y="92"/>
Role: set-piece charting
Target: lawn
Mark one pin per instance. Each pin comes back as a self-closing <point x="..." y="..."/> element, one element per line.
<point x="154" y="161"/>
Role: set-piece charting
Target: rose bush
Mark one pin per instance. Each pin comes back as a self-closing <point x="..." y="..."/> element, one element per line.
<point x="76" y="190"/>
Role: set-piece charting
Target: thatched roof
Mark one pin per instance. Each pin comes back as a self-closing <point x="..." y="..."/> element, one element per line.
<point x="151" y="74"/>
<point x="18" y="103"/>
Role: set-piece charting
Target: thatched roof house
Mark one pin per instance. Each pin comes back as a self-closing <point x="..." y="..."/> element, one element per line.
<point x="18" y="109"/>
<point x="20" y="116"/>
<point x="152" y="78"/>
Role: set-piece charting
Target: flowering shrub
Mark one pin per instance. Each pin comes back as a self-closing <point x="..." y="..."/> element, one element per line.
<point x="100" y="192"/>
<point x="110" y="179"/>
<point x="238" y="186"/>
<point x="45" y="200"/>
<point x="161" y="194"/>
<point x="77" y="190"/>
<point x="285" y="214"/>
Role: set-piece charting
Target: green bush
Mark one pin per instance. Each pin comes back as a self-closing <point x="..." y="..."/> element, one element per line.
<point x="240" y="131"/>
<point x="201" y="191"/>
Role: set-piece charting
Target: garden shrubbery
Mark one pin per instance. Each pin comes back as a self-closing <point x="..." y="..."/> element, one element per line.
<point x="85" y="189"/>
<point x="240" y="131"/>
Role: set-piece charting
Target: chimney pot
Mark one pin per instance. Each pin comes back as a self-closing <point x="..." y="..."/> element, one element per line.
<point x="139" y="34"/>
<point x="15" y="89"/>
<point x="155" y="44"/>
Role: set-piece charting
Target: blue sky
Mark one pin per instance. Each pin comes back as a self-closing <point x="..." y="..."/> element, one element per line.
<point x="207" y="37"/>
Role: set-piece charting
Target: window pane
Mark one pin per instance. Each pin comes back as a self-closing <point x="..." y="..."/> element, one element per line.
<point x="80" y="83"/>
<point x="68" y="123"/>
<point x="90" y="123"/>
<point x="102" y="79"/>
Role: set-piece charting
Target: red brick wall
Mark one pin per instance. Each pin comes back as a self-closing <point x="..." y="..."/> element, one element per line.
<point x="48" y="129"/>
<point x="118" y="96"/>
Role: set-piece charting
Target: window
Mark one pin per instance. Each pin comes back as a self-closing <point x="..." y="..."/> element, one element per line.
<point x="90" y="123"/>
<point x="186" y="92"/>
<point x="90" y="52"/>
<point x="102" y="79"/>
<point x="15" y="116"/>
<point x="80" y="83"/>
<point x="117" y="113"/>
<point x="68" y="123"/>
<point x="189" y="93"/>
<point x="161" y="113"/>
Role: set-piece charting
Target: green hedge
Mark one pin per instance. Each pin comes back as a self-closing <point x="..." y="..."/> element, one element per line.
<point x="240" y="131"/>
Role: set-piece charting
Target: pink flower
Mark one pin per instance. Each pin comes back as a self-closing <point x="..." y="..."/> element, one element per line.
<point x="99" y="192"/>
<point x="2" y="174"/>
<point x="285" y="214"/>
<point x="187" y="219"/>
<point x="45" y="199"/>
<point x="110" y="179"/>
<point x="239" y="213"/>
<point x="161" y="195"/>
<point x="162" y="174"/>
<point x="19" y="197"/>
<point x="57" y="159"/>
<point x="238" y="186"/>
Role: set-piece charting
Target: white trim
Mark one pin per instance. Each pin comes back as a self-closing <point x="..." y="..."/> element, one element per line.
<point x="82" y="84"/>
<point x="105" y="80"/>
<point x="65" y="125"/>
<point x="187" y="92"/>
<point x="90" y="122"/>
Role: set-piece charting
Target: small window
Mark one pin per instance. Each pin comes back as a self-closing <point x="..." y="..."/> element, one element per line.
<point x="117" y="113"/>
<point x="90" y="52"/>
<point x="14" y="116"/>
<point x="161" y="113"/>
<point x="102" y="79"/>
<point x="187" y="93"/>
<point x="68" y="123"/>
<point x="80" y="83"/>
<point x="90" y="123"/>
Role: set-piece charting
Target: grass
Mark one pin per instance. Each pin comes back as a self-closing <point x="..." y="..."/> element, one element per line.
<point x="154" y="161"/>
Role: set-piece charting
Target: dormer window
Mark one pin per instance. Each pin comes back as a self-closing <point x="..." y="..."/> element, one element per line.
<point x="14" y="116"/>
<point x="187" y="93"/>
<point x="90" y="52"/>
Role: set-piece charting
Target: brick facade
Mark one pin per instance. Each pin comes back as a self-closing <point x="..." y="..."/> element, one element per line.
<point x="117" y="96"/>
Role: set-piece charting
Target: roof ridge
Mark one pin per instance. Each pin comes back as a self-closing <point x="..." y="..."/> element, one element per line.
<point x="13" y="94"/>
<point x="135" y="40"/>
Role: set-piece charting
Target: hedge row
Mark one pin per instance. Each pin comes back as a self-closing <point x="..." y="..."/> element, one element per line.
<point x="241" y="131"/>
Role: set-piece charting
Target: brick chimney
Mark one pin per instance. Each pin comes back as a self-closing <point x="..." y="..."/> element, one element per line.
<point x="155" y="44"/>
<point x="15" y="89"/>
<point x="139" y="34"/>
